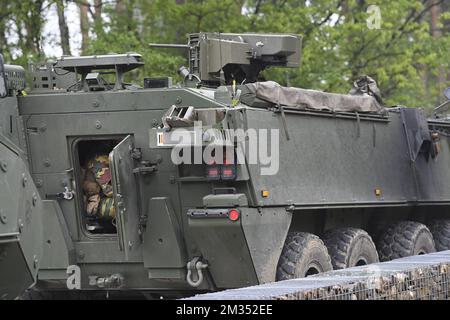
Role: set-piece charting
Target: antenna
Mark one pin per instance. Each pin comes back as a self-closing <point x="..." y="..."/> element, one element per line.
<point x="221" y="73"/>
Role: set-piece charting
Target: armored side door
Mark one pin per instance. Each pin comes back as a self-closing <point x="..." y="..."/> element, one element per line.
<point x="125" y="195"/>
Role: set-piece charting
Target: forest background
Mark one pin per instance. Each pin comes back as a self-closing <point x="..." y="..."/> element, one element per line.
<point x="408" y="55"/>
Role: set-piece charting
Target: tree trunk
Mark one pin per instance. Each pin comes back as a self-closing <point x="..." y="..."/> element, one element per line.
<point x="3" y="42"/>
<point x="33" y="27"/>
<point x="98" y="4"/>
<point x="124" y="12"/>
<point x="97" y="16"/>
<point x="63" y="28"/>
<point x="435" y="13"/>
<point x="120" y="6"/>
<point x="4" y="16"/>
<point x="84" y="26"/>
<point x="21" y="40"/>
<point x="4" y="48"/>
<point x="445" y="7"/>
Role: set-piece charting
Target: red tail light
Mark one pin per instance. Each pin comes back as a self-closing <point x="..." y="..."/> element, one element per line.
<point x="234" y="215"/>
<point x="228" y="172"/>
<point x="213" y="172"/>
<point x="225" y="171"/>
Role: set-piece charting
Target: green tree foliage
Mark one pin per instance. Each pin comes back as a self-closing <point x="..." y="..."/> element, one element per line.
<point x="408" y="55"/>
<point x="338" y="46"/>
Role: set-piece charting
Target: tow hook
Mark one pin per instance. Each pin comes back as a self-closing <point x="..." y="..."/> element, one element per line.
<point x="194" y="272"/>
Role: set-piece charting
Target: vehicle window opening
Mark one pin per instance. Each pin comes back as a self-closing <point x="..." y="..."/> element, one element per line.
<point x="98" y="207"/>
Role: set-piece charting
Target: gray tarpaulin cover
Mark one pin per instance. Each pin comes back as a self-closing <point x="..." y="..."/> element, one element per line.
<point x="309" y="99"/>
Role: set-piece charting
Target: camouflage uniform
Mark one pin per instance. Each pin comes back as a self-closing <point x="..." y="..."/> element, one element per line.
<point x="98" y="189"/>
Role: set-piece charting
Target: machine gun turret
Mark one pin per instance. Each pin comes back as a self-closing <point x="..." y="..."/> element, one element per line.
<point x="219" y="58"/>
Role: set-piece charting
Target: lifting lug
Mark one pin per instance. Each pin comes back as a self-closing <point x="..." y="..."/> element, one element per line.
<point x="195" y="266"/>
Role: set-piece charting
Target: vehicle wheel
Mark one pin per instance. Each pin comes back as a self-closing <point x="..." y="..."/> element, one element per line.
<point x="303" y="254"/>
<point x="350" y="247"/>
<point x="440" y="229"/>
<point x="403" y="239"/>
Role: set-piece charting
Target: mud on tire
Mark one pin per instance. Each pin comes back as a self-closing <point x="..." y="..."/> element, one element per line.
<point x="350" y="247"/>
<point x="303" y="254"/>
<point x="403" y="239"/>
<point x="440" y="229"/>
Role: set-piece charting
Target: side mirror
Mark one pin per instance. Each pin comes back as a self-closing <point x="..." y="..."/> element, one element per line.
<point x="447" y="93"/>
<point x="3" y="88"/>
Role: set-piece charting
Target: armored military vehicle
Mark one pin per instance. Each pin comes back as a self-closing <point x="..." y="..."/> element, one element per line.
<point x="224" y="180"/>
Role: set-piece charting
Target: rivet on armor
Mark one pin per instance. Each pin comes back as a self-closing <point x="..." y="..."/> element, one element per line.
<point x="3" y="217"/>
<point x="35" y="199"/>
<point x="4" y="165"/>
<point x="39" y="183"/>
<point x="81" y="255"/>
<point x="24" y="180"/>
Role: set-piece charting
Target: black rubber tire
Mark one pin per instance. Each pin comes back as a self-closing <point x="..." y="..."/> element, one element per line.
<point x="303" y="254"/>
<point x="440" y="229"/>
<point x="403" y="239"/>
<point x="350" y="247"/>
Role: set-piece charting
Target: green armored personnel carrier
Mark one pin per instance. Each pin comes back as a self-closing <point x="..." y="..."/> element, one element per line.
<point x="222" y="181"/>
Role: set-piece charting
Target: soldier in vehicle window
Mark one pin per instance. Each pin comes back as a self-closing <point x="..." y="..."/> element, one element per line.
<point x="98" y="189"/>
